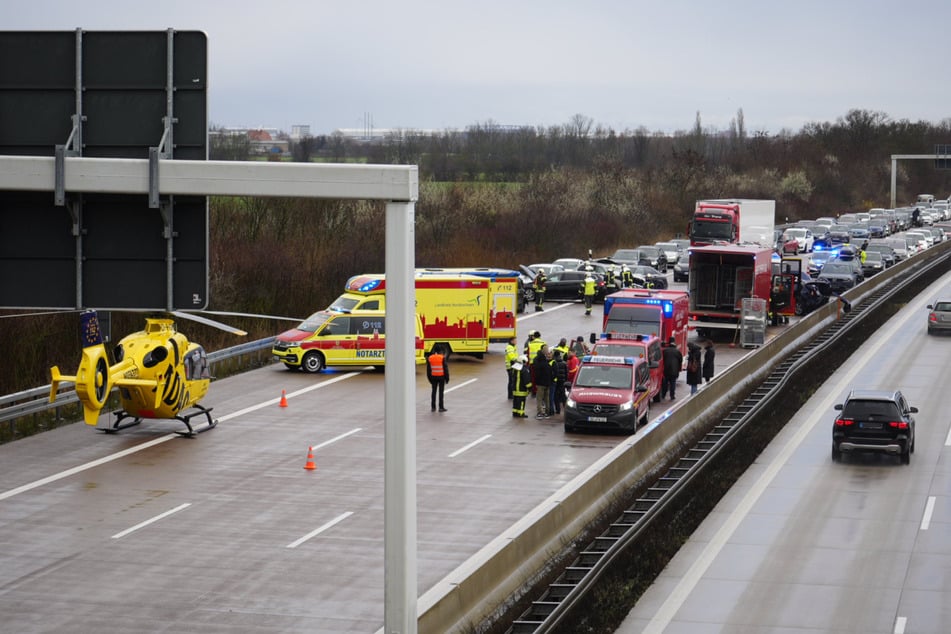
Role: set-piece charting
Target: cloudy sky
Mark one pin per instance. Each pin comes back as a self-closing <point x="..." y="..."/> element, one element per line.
<point x="437" y="64"/>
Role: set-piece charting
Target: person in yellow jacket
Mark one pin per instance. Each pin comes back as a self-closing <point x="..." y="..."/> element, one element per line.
<point x="535" y="343"/>
<point x="588" y="290"/>
<point x="511" y="354"/>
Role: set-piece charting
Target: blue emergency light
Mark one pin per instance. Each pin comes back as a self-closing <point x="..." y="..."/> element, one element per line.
<point x="369" y="286"/>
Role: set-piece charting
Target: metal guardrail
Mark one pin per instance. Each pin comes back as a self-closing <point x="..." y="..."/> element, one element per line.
<point x="36" y="400"/>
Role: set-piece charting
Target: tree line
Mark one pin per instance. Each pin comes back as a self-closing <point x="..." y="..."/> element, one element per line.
<point x="497" y="196"/>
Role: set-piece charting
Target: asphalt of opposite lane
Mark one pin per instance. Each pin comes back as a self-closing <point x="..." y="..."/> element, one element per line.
<point x="804" y="544"/>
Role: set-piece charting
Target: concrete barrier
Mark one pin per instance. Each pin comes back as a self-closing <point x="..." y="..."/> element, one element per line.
<point x="495" y="576"/>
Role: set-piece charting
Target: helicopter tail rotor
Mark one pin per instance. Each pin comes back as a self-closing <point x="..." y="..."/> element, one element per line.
<point x="92" y="380"/>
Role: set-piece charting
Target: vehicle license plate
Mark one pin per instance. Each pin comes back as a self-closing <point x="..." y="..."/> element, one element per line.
<point x="597" y="419"/>
<point x="870" y="425"/>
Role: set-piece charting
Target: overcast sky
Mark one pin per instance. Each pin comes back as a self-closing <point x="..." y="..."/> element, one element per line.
<point x="437" y="64"/>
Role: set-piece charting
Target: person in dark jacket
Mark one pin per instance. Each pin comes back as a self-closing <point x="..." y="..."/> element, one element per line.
<point x="560" y="380"/>
<point x="709" y="355"/>
<point x="542" y="378"/>
<point x="694" y="378"/>
<point x="673" y="363"/>
<point x="437" y="371"/>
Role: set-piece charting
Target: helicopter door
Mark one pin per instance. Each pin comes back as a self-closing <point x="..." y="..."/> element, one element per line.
<point x="196" y="365"/>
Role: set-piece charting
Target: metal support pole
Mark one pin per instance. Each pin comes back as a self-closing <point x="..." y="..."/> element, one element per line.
<point x="399" y="504"/>
<point x="894" y="180"/>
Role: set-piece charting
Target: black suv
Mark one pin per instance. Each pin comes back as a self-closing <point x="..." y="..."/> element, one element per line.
<point x="874" y="420"/>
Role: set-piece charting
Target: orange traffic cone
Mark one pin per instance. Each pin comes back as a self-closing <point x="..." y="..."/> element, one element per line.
<point x="283" y="399"/>
<point x="309" y="465"/>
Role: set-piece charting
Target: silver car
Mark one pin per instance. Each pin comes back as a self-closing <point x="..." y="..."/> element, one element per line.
<point x="939" y="316"/>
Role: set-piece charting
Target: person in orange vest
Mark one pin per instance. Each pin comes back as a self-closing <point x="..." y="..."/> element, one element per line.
<point x="437" y="371"/>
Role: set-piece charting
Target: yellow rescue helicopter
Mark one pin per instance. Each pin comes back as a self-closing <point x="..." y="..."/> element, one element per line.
<point x="158" y="372"/>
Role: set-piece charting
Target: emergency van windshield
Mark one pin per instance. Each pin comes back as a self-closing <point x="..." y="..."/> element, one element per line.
<point x="606" y="376"/>
<point x="615" y="350"/>
<point x="344" y="304"/>
<point x="315" y="321"/>
<point x="633" y="319"/>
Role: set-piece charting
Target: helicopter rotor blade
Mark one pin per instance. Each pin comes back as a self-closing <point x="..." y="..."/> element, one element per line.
<point x="224" y="313"/>
<point x="210" y="322"/>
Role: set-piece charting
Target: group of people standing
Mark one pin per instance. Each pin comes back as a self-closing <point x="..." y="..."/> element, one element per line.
<point x="700" y="364"/>
<point x="541" y="371"/>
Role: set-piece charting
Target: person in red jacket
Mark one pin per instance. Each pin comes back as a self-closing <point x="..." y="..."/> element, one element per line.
<point x="573" y="364"/>
<point x="437" y="371"/>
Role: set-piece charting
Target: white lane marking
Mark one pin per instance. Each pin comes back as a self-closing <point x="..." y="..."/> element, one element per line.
<point x="469" y="446"/>
<point x="333" y="440"/>
<point x="88" y="465"/>
<point x="318" y="531"/>
<point x="900" y="625"/>
<point x="151" y="521"/>
<point x="665" y="614"/>
<point x="929" y="511"/>
<point x="275" y="401"/>
<point x="536" y="314"/>
<point x="157" y="441"/>
<point x="463" y="384"/>
<point x="947" y="440"/>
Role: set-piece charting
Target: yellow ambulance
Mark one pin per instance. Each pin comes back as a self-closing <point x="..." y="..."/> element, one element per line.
<point x="329" y="338"/>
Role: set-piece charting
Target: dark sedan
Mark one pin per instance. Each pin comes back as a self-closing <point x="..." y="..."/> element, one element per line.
<point x="842" y="274"/>
<point x="568" y="286"/>
<point x="649" y="277"/>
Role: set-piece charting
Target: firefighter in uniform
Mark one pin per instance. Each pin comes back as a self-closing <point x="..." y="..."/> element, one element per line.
<point x="627" y="278"/>
<point x="523" y="382"/>
<point x="531" y="349"/>
<point x="610" y="279"/>
<point x="511" y="354"/>
<point x="437" y="371"/>
<point x="539" y="286"/>
<point x="588" y="290"/>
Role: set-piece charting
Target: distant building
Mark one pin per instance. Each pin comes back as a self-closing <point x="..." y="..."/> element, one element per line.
<point x="299" y="131"/>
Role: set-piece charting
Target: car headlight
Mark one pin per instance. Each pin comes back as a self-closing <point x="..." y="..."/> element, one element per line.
<point x="569" y="402"/>
<point x="625" y="406"/>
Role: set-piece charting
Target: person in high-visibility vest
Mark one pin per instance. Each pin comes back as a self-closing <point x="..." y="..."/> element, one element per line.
<point x="437" y="371"/>
<point x="531" y="350"/>
<point x="539" y="286"/>
<point x="627" y="278"/>
<point x="588" y="293"/>
<point x="511" y="354"/>
<point x="523" y="383"/>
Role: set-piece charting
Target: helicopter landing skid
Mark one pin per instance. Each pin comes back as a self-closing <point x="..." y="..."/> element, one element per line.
<point x="118" y="425"/>
<point x="186" y="418"/>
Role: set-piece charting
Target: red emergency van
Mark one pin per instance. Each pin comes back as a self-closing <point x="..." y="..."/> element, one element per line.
<point x="625" y="344"/>
<point x="610" y="394"/>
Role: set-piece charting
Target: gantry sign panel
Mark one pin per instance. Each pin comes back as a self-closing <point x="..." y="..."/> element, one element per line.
<point x="105" y="94"/>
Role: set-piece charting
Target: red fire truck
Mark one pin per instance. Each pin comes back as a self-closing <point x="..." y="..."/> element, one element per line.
<point x="660" y="313"/>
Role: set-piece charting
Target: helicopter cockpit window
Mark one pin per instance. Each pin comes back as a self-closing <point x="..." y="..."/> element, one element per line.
<point x="196" y="365"/>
